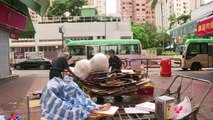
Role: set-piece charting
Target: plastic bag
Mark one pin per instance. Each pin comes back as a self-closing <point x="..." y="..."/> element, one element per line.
<point x="82" y="69"/>
<point x="183" y="109"/>
<point x="99" y="63"/>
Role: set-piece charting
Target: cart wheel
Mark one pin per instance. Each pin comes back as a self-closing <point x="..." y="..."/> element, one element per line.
<point x="100" y="100"/>
<point x="118" y="98"/>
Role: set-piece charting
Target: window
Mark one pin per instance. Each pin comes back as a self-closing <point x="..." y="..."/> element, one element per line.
<point x="138" y="5"/>
<point x="143" y="9"/>
<point x="204" y="48"/>
<point x="123" y="7"/>
<point x="194" y="49"/>
<point x="126" y="37"/>
<point x="143" y="4"/>
<point x="138" y="9"/>
<point x="76" y="50"/>
<point x="130" y="3"/>
<point x="104" y="49"/>
<point x="129" y="49"/>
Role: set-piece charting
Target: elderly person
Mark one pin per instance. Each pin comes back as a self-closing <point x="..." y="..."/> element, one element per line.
<point x="59" y="65"/>
<point x="114" y="61"/>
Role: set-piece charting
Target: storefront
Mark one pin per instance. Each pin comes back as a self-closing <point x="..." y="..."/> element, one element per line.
<point x="14" y="21"/>
<point x="205" y="27"/>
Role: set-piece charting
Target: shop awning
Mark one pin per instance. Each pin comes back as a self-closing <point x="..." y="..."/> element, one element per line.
<point x="39" y="6"/>
<point x="184" y="29"/>
<point x="205" y="27"/>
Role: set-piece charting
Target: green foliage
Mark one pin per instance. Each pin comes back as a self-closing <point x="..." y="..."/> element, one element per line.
<point x="59" y="7"/>
<point x="153" y="4"/>
<point x="168" y="53"/>
<point x="146" y="34"/>
<point x="172" y="18"/>
<point x="163" y="37"/>
<point x="183" y="18"/>
<point x="158" y="49"/>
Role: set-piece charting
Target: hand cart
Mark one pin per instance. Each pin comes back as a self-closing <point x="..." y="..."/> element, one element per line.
<point x="178" y="88"/>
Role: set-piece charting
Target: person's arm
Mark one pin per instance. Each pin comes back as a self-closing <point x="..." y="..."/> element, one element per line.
<point x="66" y="66"/>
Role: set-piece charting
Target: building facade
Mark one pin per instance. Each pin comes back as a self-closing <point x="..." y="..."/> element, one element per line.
<point x="167" y="8"/>
<point x="138" y="11"/>
<point x="99" y="4"/>
<point x="195" y="4"/>
<point x="48" y="38"/>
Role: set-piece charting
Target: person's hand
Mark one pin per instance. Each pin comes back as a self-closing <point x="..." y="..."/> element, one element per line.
<point x="105" y="107"/>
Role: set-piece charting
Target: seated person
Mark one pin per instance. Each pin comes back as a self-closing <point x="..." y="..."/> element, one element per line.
<point x="114" y="61"/>
<point x="63" y="99"/>
<point x="127" y="50"/>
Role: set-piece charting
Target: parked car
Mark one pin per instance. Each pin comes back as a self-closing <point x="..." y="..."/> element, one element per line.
<point x="41" y="63"/>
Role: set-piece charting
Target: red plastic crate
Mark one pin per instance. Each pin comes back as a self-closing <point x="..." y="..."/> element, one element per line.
<point x="146" y="91"/>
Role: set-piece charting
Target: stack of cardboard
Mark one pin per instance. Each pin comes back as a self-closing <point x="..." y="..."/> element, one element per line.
<point x="104" y="84"/>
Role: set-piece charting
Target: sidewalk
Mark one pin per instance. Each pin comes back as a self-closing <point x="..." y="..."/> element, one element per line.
<point x="195" y="91"/>
<point x="10" y="77"/>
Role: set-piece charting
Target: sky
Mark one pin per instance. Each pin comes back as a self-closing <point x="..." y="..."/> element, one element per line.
<point x="206" y="1"/>
<point x="111" y="6"/>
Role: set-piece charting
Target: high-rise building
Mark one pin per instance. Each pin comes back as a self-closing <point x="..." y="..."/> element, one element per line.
<point x="138" y="11"/>
<point x="167" y="8"/>
<point x="34" y="16"/>
<point x="99" y="4"/>
<point x="195" y="4"/>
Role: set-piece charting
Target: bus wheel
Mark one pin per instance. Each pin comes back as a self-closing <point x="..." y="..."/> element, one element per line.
<point x="195" y="66"/>
<point x="184" y="69"/>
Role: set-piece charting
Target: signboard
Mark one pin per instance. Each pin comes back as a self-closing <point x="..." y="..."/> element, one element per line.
<point x="184" y="29"/>
<point x="180" y="41"/>
<point x="12" y="19"/>
<point x="205" y="27"/>
<point x="19" y="55"/>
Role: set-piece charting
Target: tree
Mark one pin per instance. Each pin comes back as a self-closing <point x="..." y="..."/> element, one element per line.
<point x="59" y="7"/>
<point x="146" y="34"/>
<point x="140" y="34"/>
<point x="173" y="20"/>
<point x="183" y="18"/>
<point x="163" y="38"/>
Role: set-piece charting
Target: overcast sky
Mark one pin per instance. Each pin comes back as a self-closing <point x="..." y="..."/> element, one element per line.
<point x="111" y="5"/>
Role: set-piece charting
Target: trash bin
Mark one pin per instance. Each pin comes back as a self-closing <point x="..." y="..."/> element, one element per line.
<point x="165" y="67"/>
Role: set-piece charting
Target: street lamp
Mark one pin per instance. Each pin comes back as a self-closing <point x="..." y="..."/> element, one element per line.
<point x="62" y="31"/>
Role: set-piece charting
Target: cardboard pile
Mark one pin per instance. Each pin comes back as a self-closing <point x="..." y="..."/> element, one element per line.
<point x="103" y="84"/>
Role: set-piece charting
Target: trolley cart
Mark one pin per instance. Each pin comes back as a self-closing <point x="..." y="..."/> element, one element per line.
<point x="178" y="88"/>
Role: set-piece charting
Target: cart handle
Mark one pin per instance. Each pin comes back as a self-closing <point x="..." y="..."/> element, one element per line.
<point x="195" y="79"/>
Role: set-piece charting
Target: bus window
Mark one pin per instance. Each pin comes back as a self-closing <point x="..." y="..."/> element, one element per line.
<point x="192" y="51"/>
<point x="129" y="49"/>
<point x="105" y="48"/>
<point x="77" y="50"/>
<point x="204" y="48"/>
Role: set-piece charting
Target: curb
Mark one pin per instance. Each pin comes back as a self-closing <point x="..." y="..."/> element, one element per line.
<point x="10" y="77"/>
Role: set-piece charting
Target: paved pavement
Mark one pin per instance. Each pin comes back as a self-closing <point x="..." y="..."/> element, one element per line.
<point x="13" y="92"/>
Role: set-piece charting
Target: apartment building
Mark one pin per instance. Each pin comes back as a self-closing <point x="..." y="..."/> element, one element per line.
<point x="170" y="7"/>
<point x="138" y="11"/>
<point x="99" y="4"/>
<point x="195" y="4"/>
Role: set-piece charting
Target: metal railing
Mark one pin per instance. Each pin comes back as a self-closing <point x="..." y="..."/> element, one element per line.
<point x="155" y="62"/>
<point x="77" y="19"/>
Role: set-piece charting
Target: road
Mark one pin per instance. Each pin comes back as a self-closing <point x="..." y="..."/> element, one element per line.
<point x="13" y="92"/>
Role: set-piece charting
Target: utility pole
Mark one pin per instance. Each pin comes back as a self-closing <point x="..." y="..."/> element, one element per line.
<point x="105" y="19"/>
<point x="62" y="30"/>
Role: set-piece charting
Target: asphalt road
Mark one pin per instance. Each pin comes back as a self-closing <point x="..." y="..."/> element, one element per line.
<point x="206" y="73"/>
<point x="13" y="92"/>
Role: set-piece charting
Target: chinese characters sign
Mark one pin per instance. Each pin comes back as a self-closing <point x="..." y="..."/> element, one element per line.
<point x="184" y="29"/>
<point x="205" y="27"/>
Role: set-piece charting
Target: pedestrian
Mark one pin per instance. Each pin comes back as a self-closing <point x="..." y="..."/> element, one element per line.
<point x="114" y="61"/>
<point x="59" y="65"/>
